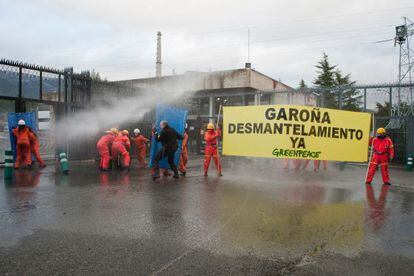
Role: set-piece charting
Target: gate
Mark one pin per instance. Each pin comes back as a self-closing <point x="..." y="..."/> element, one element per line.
<point x="51" y="93"/>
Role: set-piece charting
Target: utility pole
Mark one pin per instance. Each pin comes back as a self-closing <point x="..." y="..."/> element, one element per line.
<point x="158" y="63"/>
<point x="403" y="38"/>
<point x="248" y="45"/>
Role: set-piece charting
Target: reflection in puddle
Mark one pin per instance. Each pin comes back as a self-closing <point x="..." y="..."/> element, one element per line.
<point x="299" y="218"/>
<point x="377" y="212"/>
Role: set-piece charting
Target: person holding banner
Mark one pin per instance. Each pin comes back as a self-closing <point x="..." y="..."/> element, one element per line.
<point x="383" y="152"/>
<point x="169" y="139"/>
<point x="316" y="164"/>
<point x="211" y="138"/>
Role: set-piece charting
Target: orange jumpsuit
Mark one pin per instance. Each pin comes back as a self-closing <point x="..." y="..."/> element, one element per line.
<point x="22" y="146"/>
<point x="211" y="138"/>
<point x="296" y="163"/>
<point x="383" y="150"/>
<point x="316" y="164"/>
<point x="104" y="146"/>
<point x="184" y="154"/>
<point x="121" y="146"/>
<point x="141" y="142"/>
<point x="34" y="146"/>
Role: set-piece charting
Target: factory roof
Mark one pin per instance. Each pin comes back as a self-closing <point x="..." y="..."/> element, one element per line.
<point x="216" y="80"/>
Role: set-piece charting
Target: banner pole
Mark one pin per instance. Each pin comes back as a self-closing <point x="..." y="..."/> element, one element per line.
<point x="217" y="125"/>
<point x="372" y="147"/>
<point x="218" y="115"/>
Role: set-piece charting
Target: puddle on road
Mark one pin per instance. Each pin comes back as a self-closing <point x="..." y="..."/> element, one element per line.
<point x="285" y="214"/>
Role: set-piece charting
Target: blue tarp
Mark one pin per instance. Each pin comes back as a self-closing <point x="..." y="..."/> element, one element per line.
<point x="176" y="118"/>
<point x="13" y="119"/>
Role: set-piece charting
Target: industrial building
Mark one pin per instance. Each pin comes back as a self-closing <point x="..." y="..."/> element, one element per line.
<point x="204" y="92"/>
<point x="237" y="87"/>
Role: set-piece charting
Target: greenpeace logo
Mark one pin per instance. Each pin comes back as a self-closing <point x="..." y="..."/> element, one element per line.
<point x="297" y="153"/>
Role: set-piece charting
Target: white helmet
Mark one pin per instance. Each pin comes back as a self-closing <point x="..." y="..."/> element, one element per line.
<point x="21" y="123"/>
<point x="137" y="131"/>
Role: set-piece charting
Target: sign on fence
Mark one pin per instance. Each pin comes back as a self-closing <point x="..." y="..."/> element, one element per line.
<point x="290" y="131"/>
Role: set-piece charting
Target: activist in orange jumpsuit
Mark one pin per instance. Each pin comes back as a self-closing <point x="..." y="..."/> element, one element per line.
<point x="296" y="163"/>
<point x="141" y="143"/>
<point x="182" y="167"/>
<point x="104" y="146"/>
<point x="211" y="151"/>
<point x="34" y="146"/>
<point x="23" y="155"/>
<point x="120" y="147"/>
<point x="383" y="152"/>
<point x="316" y="164"/>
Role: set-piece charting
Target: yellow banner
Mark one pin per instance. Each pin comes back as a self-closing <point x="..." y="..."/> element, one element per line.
<point x="292" y="131"/>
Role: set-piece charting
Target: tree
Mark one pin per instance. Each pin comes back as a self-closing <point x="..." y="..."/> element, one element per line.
<point x="383" y="109"/>
<point x="96" y="76"/>
<point x="302" y="84"/>
<point x="326" y="79"/>
<point x="349" y="96"/>
<point x="334" y="85"/>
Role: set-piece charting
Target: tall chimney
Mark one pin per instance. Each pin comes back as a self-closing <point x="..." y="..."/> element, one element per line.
<point x="158" y="63"/>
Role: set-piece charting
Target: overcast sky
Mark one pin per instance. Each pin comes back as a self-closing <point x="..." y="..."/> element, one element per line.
<point x="287" y="38"/>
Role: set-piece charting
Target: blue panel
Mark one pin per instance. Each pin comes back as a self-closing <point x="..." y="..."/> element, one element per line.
<point x="176" y="118"/>
<point x="13" y="119"/>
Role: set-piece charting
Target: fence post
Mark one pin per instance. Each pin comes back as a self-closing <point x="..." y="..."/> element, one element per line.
<point x="390" y="101"/>
<point x="365" y="99"/>
<point x="20" y="105"/>
<point x="323" y="98"/>
<point x="340" y="98"/>
<point x="41" y="85"/>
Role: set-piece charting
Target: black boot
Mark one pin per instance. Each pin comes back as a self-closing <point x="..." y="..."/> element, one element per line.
<point x="156" y="174"/>
<point x="176" y="176"/>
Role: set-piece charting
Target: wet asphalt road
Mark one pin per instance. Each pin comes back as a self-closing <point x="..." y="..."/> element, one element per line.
<point x="257" y="219"/>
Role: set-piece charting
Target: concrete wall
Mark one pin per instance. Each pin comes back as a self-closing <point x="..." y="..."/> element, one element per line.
<point x="296" y="98"/>
<point x="260" y="81"/>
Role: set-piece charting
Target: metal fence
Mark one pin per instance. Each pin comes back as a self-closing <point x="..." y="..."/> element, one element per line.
<point x="53" y="94"/>
<point x="60" y="93"/>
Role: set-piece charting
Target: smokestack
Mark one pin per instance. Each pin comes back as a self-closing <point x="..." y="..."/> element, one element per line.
<point x="158" y="63"/>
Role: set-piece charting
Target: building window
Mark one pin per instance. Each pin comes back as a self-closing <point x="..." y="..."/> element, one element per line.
<point x="249" y="99"/>
<point x="204" y="106"/>
<point x="265" y="99"/>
